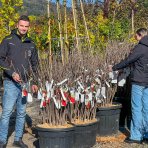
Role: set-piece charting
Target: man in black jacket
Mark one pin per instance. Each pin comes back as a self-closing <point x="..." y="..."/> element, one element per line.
<point x="139" y="95"/>
<point x="18" y="56"/>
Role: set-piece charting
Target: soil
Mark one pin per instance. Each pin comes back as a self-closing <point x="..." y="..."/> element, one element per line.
<point x="33" y="118"/>
<point x="45" y="125"/>
<point x="80" y="122"/>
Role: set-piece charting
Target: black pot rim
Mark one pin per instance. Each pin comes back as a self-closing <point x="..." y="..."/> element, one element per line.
<point x="54" y="129"/>
<point x="115" y="106"/>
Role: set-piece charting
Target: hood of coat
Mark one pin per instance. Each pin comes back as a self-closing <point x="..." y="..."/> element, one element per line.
<point x="144" y="40"/>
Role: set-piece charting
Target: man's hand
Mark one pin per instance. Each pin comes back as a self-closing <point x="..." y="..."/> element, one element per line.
<point x="34" y="88"/>
<point x="16" y="77"/>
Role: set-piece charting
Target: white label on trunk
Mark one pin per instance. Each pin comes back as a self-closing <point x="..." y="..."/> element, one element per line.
<point x="29" y="98"/>
<point x="82" y="98"/>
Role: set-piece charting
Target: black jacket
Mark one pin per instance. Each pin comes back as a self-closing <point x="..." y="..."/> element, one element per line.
<point x="139" y="60"/>
<point x="17" y="55"/>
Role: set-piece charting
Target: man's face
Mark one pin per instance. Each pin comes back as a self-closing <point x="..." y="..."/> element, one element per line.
<point x="137" y="37"/>
<point x="23" y="27"/>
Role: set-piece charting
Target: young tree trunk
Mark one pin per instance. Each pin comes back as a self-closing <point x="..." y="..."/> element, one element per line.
<point x="75" y="18"/>
<point x="49" y="38"/>
<point x="66" y="43"/>
<point x="106" y="8"/>
<point x="133" y="21"/>
<point x="60" y="30"/>
<point x="86" y="29"/>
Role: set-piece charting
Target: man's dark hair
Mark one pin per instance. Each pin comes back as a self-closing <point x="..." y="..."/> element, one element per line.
<point x="142" y="32"/>
<point x="24" y="18"/>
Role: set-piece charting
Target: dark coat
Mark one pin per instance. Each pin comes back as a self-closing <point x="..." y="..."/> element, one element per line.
<point x="18" y="55"/>
<point x="139" y="60"/>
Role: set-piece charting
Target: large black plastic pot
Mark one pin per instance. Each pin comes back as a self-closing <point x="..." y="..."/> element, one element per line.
<point x="108" y="120"/>
<point x="85" y="135"/>
<point x="56" y="138"/>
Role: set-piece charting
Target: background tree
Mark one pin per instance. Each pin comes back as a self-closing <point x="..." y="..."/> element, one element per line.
<point x="9" y="15"/>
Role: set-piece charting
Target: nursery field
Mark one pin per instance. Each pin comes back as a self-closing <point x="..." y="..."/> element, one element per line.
<point x="115" y="141"/>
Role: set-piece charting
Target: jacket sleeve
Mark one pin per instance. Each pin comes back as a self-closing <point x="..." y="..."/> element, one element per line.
<point x="134" y="56"/>
<point x="4" y="63"/>
<point x="34" y="64"/>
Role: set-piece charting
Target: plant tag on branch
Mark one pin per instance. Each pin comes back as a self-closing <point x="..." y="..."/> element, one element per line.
<point x="90" y="96"/>
<point x="82" y="98"/>
<point x="39" y="94"/>
<point x="92" y="104"/>
<point x="62" y="93"/>
<point x="107" y="84"/>
<point x="57" y="103"/>
<point x="115" y="75"/>
<point x="47" y="84"/>
<point x="29" y="98"/>
<point x="77" y="97"/>
<point x="52" y="92"/>
<point x="98" y="93"/>
<point x="103" y="92"/>
<point x="62" y="82"/>
<point x="80" y="85"/>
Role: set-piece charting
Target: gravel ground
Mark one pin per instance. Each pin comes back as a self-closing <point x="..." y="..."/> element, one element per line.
<point x="115" y="141"/>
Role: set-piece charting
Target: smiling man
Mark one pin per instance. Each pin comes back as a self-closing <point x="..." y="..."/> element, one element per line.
<point x="18" y="56"/>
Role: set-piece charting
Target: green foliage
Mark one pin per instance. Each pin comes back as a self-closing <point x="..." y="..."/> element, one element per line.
<point x="8" y="15"/>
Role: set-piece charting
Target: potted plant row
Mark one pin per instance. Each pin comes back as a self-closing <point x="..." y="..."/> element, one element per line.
<point x="68" y="113"/>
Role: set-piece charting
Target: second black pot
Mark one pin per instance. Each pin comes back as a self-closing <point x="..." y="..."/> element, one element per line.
<point x="108" y="120"/>
<point x="85" y="135"/>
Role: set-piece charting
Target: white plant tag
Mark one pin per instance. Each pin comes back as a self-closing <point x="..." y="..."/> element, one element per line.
<point x="82" y="98"/>
<point x="92" y="104"/>
<point x="90" y="96"/>
<point x="103" y="92"/>
<point x="39" y="94"/>
<point x="29" y="98"/>
<point x="98" y="93"/>
<point x="62" y="82"/>
<point x="56" y="103"/>
<point x="77" y="96"/>
<point x="47" y="84"/>
<point x="52" y="92"/>
<point x="115" y="75"/>
<point x="107" y="84"/>
<point x="59" y="104"/>
<point x="80" y="85"/>
<point x="62" y="93"/>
